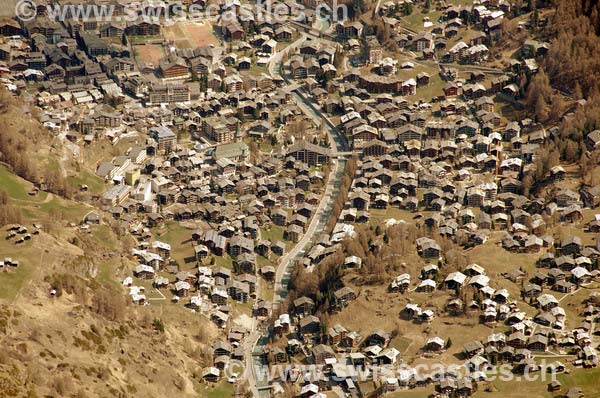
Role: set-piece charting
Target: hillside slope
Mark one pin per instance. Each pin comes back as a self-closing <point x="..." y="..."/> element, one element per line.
<point x="66" y="325"/>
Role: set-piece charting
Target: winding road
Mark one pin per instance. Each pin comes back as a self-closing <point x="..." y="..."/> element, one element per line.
<point x="325" y="206"/>
<point x="256" y="339"/>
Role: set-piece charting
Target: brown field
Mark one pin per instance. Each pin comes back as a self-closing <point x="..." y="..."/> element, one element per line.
<point x="584" y="379"/>
<point x="190" y="34"/>
<point x="375" y="308"/>
<point x="148" y="53"/>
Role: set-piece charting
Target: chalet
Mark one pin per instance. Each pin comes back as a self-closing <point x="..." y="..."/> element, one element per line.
<point x="451" y="90"/>
<point x="434" y="344"/>
<point x="571" y="245"/>
<point x="349" y="29"/>
<point x="239" y="245"/>
<point x="278" y="248"/>
<point x="344" y="296"/>
<point x="563" y="286"/>
<point x="388" y="356"/>
<point x="581" y="275"/>
<point x="473" y="348"/>
<point x="112" y="30"/>
<point x="239" y="291"/>
<point x="428" y="248"/>
<point x="375" y="148"/>
<point x="279" y="217"/>
<point x="455" y="280"/>
<point x="537" y="342"/>
<point x="283" y="34"/>
<point x="321" y="353"/>
<point x="294" y="232"/>
<point x="232" y="30"/>
<point x="211" y="374"/>
<point x="144" y="271"/>
<point x="422" y="41"/>
<point x="572" y="214"/>
<point x="547" y="302"/>
<point x="555" y="275"/>
<point x="380" y="84"/>
<point x="182" y="288"/>
<point x="447" y="386"/>
<point x="592" y="140"/>
<point x="566" y="197"/>
<point x="10" y="27"/>
<point x="352" y="262"/>
<point x="143" y="28"/>
<point x="165" y="138"/>
<point x="379" y="338"/>
<point x="303" y="306"/>
<point x="400" y="283"/>
<point x="93" y="45"/>
<point x="309" y="325"/>
<point x="516" y="340"/>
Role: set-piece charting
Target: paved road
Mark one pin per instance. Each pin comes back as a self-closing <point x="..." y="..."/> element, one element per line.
<point x="303" y="245"/>
<point x="338" y="146"/>
<point x="316" y="224"/>
<point x="249" y="343"/>
<point x="322" y="213"/>
<point x="377" y="6"/>
<point x="275" y="62"/>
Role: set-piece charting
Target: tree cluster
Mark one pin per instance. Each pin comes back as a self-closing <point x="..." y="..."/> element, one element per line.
<point x="340" y="200"/>
<point x="9" y="214"/>
<point x="18" y="146"/>
<point x="109" y="303"/>
<point x="573" y="62"/>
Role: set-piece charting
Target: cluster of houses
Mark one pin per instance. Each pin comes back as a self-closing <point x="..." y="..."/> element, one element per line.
<point x="379" y="74"/>
<point x="20" y="234"/>
<point x="233" y="202"/>
<point x="208" y="290"/>
<point x="93" y="47"/>
<point x="300" y="337"/>
<point x="437" y="160"/>
<point x="283" y="191"/>
<point x="91" y="82"/>
<point x="453" y="161"/>
<point x="8" y="263"/>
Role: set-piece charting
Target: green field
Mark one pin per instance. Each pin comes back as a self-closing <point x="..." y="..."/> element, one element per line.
<point x="221" y="390"/>
<point x="11" y="281"/>
<point x="400" y="343"/>
<point x="106" y="275"/>
<point x="256" y="70"/>
<point x="224" y="261"/>
<point x="41" y="207"/>
<point x="46" y="209"/>
<point x="379" y="215"/>
<point x="179" y="238"/>
<point x="433" y="89"/>
<point x="102" y="236"/>
<point x="17" y="188"/>
<point x="94" y="183"/>
<point x="273" y="234"/>
<point x="414" y="21"/>
<point x="143" y="39"/>
<point x="586" y="379"/>
<point x="66" y="210"/>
